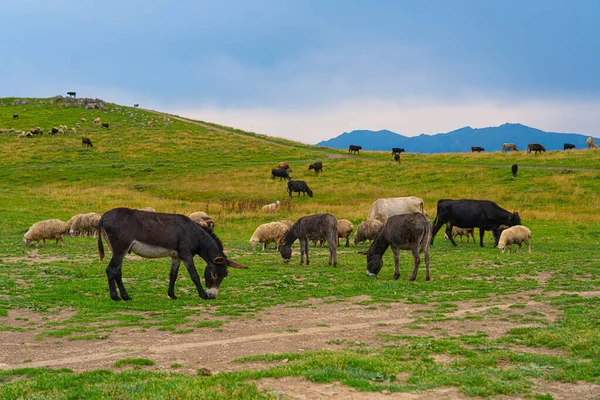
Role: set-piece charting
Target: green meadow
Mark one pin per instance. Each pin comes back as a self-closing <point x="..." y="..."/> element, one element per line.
<point x="547" y="303"/>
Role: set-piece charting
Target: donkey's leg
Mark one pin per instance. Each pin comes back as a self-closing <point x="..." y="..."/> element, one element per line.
<point x="481" y="233"/>
<point x="415" y="252"/>
<point x="188" y="261"/>
<point x="114" y="274"/>
<point x="306" y="246"/>
<point x="175" y="262"/>
<point x="426" y="251"/>
<point x="396" y="262"/>
<point x="332" y="251"/>
<point x="302" y="250"/>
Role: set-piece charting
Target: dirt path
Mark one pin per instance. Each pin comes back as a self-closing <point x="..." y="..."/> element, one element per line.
<point x="318" y="325"/>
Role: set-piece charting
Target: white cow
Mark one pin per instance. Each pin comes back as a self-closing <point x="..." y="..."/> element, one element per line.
<point x="382" y="209"/>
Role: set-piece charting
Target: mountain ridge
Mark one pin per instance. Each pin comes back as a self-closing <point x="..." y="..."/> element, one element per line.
<point x="458" y="140"/>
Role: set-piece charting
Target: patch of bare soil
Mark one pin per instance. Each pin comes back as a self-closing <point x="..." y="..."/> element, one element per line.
<point x="568" y="391"/>
<point x="305" y="326"/>
<point x="293" y="388"/>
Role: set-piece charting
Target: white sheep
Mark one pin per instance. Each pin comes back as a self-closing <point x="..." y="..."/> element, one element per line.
<point x="287" y="223"/>
<point x="202" y="219"/>
<point x="514" y="235"/>
<point x="267" y="233"/>
<point x="73" y="131"/>
<point x="367" y="230"/>
<point x="97" y="121"/>
<point x="47" y="229"/>
<point x="271" y="208"/>
<point x="456" y="231"/>
<point x="83" y="120"/>
<point x="84" y="224"/>
<point x="345" y="228"/>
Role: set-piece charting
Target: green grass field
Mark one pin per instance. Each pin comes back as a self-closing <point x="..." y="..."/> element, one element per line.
<point x="543" y="308"/>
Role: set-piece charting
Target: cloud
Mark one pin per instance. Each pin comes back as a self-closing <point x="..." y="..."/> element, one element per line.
<point x="311" y="125"/>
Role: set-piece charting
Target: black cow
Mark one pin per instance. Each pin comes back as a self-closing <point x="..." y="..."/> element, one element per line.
<point x="318" y="167"/>
<point x="299" y="186"/>
<point x="105" y="125"/>
<point x="354" y="149"/>
<point x="515" y="168"/>
<point x="280" y="173"/>
<point x="86" y="142"/>
<point x="15" y="116"/>
<point x="477" y="149"/>
<point x="136" y="105"/>
<point x="568" y="146"/>
<point x="483" y="214"/>
<point x="397" y="157"/>
<point x="158" y="235"/>
<point x="72" y="94"/>
<point x="536" y="148"/>
<point x="397" y="150"/>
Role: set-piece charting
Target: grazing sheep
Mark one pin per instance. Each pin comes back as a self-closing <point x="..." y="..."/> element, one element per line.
<point x="15" y="116"/>
<point x="271" y="232"/>
<point x="54" y="131"/>
<point x="201" y="218"/>
<point x="47" y="229"/>
<point x="36" y="131"/>
<point x="591" y="144"/>
<point x="367" y="230"/>
<point x="97" y="121"/>
<point x="284" y="165"/>
<point x="84" y="224"/>
<point x="83" y="120"/>
<point x="345" y="228"/>
<point x="105" y="125"/>
<point x="151" y="123"/>
<point x="271" y="208"/>
<point x="77" y="126"/>
<point x="73" y="131"/>
<point x="456" y="231"/>
<point x="60" y="130"/>
<point x="514" y="235"/>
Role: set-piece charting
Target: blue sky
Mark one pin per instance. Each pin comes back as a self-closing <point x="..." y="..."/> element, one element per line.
<point x="310" y="70"/>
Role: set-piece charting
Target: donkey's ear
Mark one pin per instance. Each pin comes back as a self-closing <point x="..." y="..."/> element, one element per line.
<point x="219" y="260"/>
<point x="363" y="253"/>
<point x="233" y="264"/>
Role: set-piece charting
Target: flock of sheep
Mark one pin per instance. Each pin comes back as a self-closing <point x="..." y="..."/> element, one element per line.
<point x="81" y="225"/>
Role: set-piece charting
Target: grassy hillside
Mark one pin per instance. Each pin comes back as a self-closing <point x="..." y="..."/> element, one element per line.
<point x="179" y="166"/>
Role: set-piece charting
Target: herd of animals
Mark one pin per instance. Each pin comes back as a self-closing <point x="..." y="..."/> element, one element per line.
<point x="400" y="223"/>
<point x="531" y="147"/>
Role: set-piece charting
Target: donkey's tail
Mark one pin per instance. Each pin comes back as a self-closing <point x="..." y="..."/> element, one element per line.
<point x="427" y="232"/>
<point x="100" y="245"/>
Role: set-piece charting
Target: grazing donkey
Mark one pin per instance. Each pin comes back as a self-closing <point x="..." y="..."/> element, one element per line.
<point x="311" y="227"/>
<point x="401" y="232"/>
<point x="157" y="235"/>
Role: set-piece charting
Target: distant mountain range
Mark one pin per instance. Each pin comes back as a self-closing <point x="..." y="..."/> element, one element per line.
<point x="459" y="140"/>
